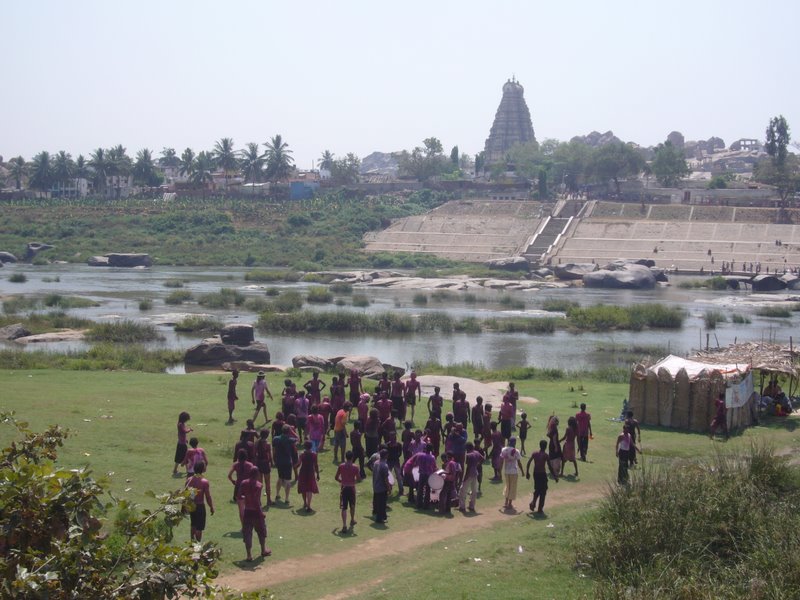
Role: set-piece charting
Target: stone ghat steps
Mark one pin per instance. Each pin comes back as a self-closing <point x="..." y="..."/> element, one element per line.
<point x="668" y="230"/>
<point x="434" y="224"/>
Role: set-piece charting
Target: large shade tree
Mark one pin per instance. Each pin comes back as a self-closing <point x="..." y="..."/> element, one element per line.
<point x="780" y="168"/>
<point x="669" y="165"/>
<point x="617" y="161"/>
<point x="279" y="159"/>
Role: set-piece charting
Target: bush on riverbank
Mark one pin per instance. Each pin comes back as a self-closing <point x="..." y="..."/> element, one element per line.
<point x="319" y="294"/>
<point x="774" y="312"/>
<point x="66" y="302"/>
<point x="225" y="298"/>
<point x="178" y="297"/>
<point x="604" y="317"/>
<point x="712" y="283"/>
<point x="723" y="528"/>
<point x="123" y="332"/>
<point x="482" y="373"/>
<point x="45" y="322"/>
<point x="199" y="323"/>
<point x="18" y="304"/>
<point x="101" y="357"/>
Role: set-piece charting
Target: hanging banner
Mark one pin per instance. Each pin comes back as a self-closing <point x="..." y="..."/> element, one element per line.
<point x="738" y="393"/>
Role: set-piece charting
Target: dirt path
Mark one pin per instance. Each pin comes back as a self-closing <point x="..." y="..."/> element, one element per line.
<point x="272" y="572"/>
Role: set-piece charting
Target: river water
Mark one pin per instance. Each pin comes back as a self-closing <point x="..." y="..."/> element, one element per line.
<point x="118" y="292"/>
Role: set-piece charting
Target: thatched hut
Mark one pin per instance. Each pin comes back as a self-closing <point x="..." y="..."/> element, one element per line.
<point x="679" y="392"/>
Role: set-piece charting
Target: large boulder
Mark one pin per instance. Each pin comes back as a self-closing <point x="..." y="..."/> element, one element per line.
<point x="34" y="248"/>
<point x="7" y="257"/>
<point x="628" y="277"/>
<point x="129" y="260"/>
<point x="238" y="335"/>
<point x="97" y="261"/>
<point x="369" y="366"/>
<point x="213" y="352"/>
<point x="768" y="283"/>
<point x="309" y="360"/>
<point x="12" y="332"/>
<point x="252" y="367"/>
<point x="509" y="263"/>
<point x="572" y="271"/>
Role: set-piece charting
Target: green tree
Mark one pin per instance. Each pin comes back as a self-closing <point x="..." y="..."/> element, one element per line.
<point x="326" y="160"/>
<point x="18" y="171"/>
<point x="120" y="165"/>
<point x="144" y="169"/>
<point x="345" y="171"/>
<point x="63" y="169"/>
<point x="425" y="162"/>
<point x="669" y="165"/>
<point x="42" y="175"/>
<point x="572" y="164"/>
<point x="51" y="540"/>
<point x="169" y="158"/>
<point x="225" y="157"/>
<point x="781" y="169"/>
<point x="187" y="163"/>
<point x="480" y="161"/>
<point x="526" y="160"/>
<point x="279" y="159"/>
<point x="101" y="165"/>
<point x="433" y="147"/>
<point x="454" y="157"/>
<point x="252" y="163"/>
<point x="203" y="171"/>
<point x="617" y="161"/>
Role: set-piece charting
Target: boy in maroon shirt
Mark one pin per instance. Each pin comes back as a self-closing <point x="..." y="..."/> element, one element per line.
<point x="249" y="498"/>
<point x="348" y="475"/>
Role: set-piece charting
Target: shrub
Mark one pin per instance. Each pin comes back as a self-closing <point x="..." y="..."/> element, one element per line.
<point x="17" y="278"/>
<point x="222" y="299"/>
<point x="740" y="319"/>
<point x="272" y="291"/>
<point x="442" y="295"/>
<point x="712" y="317"/>
<point x="145" y="304"/>
<point x="288" y="301"/>
<point x="775" y="312"/>
<point x="178" y="297"/>
<point x="66" y="302"/>
<point x="420" y="299"/>
<point x="124" y="331"/>
<point x="256" y="304"/>
<point x="55" y="279"/>
<point x="319" y="295"/>
<point x="558" y="305"/>
<point x="435" y="321"/>
<point x="340" y="287"/>
<point x="18" y="304"/>
<point x="173" y="283"/>
<point x="262" y="276"/>
<point x="511" y="303"/>
<point x="199" y="323"/>
<point x="360" y="300"/>
<point x="340" y="302"/>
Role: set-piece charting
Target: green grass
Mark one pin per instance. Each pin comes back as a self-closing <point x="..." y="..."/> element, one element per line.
<point x="360" y="300"/>
<point x="67" y="302"/>
<point x="511" y="303"/>
<point x="558" y="305"/>
<point x="774" y="312"/>
<point x="713" y="283"/>
<point x="124" y="423"/>
<point x="712" y="317"/>
<point x="124" y="331"/>
<point x="173" y="283"/>
<point x="18" y="304"/>
<point x="225" y="298"/>
<point x="262" y="276"/>
<point x="44" y="322"/>
<point x="740" y="319"/>
<point x="17" y="278"/>
<point x="178" y="297"/>
<point x="100" y="357"/>
<point x="602" y="317"/>
<point x="340" y="287"/>
<point x="420" y="299"/>
<point x="145" y="304"/>
<point x="319" y="295"/>
<point x="288" y="301"/>
<point x="199" y="323"/>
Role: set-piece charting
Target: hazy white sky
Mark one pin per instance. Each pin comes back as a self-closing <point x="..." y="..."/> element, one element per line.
<point x="358" y="76"/>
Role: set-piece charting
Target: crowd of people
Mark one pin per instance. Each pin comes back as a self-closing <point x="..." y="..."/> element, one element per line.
<point x="373" y="435"/>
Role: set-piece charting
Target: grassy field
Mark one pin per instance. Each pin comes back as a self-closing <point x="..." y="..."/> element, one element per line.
<point x="123" y="426"/>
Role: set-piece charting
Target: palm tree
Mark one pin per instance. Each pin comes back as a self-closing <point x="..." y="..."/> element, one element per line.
<point x="144" y="169"/>
<point x="63" y="169"/>
<point x="203" y="170"/>
<point x="100" y="164"/>
<point x="121" y="165"/>
<point x="187" y="163"/>
<point x="42" y="172"/>
<point x="279" y="160"/>
<point x="81" y="171"/>
<point x="19" y="169"/>
<point x="169" y="158"/>
<point x="225" y="157"/>
<point x="326" y="160"/>
<point x="252" y="163"/>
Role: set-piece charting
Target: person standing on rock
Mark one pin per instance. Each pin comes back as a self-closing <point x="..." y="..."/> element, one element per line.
<point x="258" y="394"/>
<point x="232" y="397"/>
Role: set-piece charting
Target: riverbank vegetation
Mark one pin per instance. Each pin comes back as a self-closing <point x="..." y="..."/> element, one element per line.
<point x="100" y="357"/>
<point x="323" y="232"/>
<point x="721" y="527"/>
<point x="594" y="318"/>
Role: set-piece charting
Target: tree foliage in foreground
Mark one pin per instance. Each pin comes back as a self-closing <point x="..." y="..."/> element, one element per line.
<point x="52" y="538"/>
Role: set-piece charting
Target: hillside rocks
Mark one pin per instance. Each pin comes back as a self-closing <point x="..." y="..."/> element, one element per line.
<point x="238" y="335"/>
<point x="214" y="352"/>
<point x="509" y="263"/>
<point x="368" y="366"/>
<point x="627" y="277"/>
<point x="573" y="271"/>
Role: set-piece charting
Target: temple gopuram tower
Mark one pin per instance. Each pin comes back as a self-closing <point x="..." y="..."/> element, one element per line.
<point x="512" y="124"/>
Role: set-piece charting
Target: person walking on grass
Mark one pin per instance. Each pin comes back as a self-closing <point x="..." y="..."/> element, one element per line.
<point x="381" y="488"/>
<point x="258" y="394"/>
<point x="624" y="448"/>
<point x="636" y="434"/>
<point x="306" y="481"/>
<point x="469" y="487"/>
<point x="523" y="427"/>
<point x="194" y="456"/>
<point x="264" y="463"/>
<point x="201" y="495"/>
<point x="284" y="457"/>
<point x="232" y="397"/>
<point x="182" y="447"/>
<point x="512" y="466"/>
<point x="541" y="462"/>
<point x="340" y="432"/>
<point x="568" y="449"/>
<point x="720" y="419"/>
<point x="249" y="498"/>
<point x="348" y="475"/>
<point x="584" y="420"/>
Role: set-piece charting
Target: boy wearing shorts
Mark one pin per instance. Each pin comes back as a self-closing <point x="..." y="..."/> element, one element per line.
<point x="348" y="475"/>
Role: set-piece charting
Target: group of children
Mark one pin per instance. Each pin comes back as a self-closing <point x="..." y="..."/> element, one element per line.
<point x="411" y="460"/>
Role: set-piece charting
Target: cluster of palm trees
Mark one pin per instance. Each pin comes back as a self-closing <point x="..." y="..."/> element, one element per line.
<point x="107" y="167"/>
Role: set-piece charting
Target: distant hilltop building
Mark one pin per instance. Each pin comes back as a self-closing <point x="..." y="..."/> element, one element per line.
<point x="512" y="124"/>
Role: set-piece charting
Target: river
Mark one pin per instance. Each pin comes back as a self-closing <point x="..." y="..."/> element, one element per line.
<point x="118" y="292"/>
